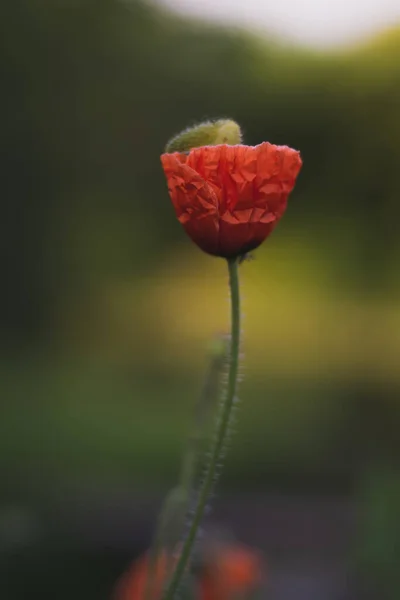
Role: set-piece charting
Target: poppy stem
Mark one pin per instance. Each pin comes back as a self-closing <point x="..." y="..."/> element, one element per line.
<point x="218" y="444"/>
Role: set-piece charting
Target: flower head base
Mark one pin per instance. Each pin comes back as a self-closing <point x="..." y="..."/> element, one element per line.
<point x="230" y="198"/>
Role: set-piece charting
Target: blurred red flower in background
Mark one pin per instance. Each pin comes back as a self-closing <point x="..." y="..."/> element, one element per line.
<point x="229" y="198"/>
<point x="228" y="572"/>
<point x="235" y="572"/>
<point x="133" y="583"/>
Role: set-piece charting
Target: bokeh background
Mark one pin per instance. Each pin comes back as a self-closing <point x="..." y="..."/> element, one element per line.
<point x="106" y="308"/>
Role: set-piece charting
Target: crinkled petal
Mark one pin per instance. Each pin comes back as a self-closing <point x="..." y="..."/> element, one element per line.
<point x="247" y="176"/>
<point x="194" y="200"/>
<point x="252" y="184"/>
<point x="277" y="170"/>
<point x="240" y="191"/>
<point x="230" y="170"/>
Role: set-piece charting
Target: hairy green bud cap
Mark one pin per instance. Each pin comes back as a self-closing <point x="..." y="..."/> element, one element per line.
<point x="210" y="133"/>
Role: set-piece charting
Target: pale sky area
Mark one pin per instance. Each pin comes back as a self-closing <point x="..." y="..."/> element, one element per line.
<point x="313" y="22"/>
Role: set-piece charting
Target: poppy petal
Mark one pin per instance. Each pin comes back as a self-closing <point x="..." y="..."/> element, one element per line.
<point x="246" y="176"/>
<point x="230" y="170"/>
<point x="258" y="208"/>
<point x="195" y="202"/>
<point x="230" y="198"/>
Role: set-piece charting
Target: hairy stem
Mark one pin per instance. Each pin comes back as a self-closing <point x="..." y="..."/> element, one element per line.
<point x="220" y="437"/>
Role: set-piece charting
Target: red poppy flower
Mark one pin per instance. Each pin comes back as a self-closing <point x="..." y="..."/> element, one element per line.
<point x="235" y="573"/>
<point x="229" y="198"/>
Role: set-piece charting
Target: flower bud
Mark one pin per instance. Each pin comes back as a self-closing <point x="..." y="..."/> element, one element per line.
<point x="209" y="133"/>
